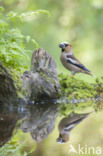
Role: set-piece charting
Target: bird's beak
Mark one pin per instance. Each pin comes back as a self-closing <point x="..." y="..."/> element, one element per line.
<point x="59" y="140"/>
<point x="62" y="46"/>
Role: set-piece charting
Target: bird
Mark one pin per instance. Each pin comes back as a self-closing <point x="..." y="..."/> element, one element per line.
<point x="67" y="124"/>
<point x="70" y="62"/>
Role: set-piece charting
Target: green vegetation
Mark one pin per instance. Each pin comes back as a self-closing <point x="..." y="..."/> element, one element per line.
<point x="15" y="146"/>
<point x="82" y="96"/>
<point x="24" y="25"/>
<point x="13" y="50"/>
<point x="78" y="22"/>
<point x="74" y="88"/>
<point x="13" y="43"/>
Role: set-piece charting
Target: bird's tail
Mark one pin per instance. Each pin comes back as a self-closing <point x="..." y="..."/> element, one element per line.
<point x="89" y="73"/>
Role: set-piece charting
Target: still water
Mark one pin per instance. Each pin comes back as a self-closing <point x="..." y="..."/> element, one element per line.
<point x="50" y="128"/>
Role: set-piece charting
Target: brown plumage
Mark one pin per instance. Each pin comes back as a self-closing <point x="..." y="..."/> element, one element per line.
<point x="70" y="62"/>
<point x="67" y="124"/>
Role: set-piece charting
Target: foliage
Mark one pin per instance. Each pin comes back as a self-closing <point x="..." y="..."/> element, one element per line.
<point x="74" y="88"/>
<point x="79" y="89"/>
<point x="78" y="22"/>
<point x="13" y="44"/>
<point x="13" y="50"/>
<point x="80" y="95"/>
<point x="15" y="146"/>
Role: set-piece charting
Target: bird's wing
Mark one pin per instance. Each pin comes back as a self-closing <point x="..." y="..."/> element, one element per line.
<point x="72" y="60"/>
<point x="70" y="126"/>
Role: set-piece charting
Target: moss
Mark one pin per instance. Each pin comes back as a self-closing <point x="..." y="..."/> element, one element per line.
<point x="16" y="74"/>
<point x="75" y="88"/>
<point x="80" y="94"/>
<point x="47" y="78"/>
<point x="77" y="108"/>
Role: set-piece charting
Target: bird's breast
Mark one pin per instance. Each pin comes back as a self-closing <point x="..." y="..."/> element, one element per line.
<point x="68" y="65"/>
<point x="64" y="62"/>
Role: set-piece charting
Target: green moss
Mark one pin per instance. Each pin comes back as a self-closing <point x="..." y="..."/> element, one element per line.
<point x="16" y="74"/>
<point x="47" y="78"/>
<point x="78" y="89"/>
<point x="81" y="95"/>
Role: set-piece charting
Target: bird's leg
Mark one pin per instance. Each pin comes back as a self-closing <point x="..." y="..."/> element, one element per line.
<point x="72" y="74"/>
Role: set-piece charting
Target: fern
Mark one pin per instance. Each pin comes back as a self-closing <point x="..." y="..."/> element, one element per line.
<point x="13" y="50"/>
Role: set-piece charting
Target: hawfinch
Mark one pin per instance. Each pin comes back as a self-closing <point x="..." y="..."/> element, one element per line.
<point x="67" y="124"/>
<point x="70" y="62"/>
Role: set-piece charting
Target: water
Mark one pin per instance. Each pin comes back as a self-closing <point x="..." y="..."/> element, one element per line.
<point x="29" y="129"/>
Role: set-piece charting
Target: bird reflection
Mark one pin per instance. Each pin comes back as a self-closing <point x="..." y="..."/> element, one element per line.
<point x="38" y="119"/>
<point x="67" y="124"/>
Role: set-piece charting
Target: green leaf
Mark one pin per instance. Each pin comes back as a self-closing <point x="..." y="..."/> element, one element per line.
<point x="28" y="38"/>
<point x="43" y="12"/>
<point x="35" y="44"/>
<point x="1" y="9"/>
<point x="12" y="14"/>
<point x="33" y="148"/>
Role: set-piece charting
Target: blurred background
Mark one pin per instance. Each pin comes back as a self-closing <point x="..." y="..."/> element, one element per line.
<point x="79" y="23"/>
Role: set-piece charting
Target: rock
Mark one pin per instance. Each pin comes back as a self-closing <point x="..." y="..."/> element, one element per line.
<point x="42" y="81"/>
<point x="7" y="89"/>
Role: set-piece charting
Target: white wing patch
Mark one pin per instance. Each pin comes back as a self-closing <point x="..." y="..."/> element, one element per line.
<point x="64" y="42"/>
<point x="71" y="60"/>
<point x="69" y="127"/>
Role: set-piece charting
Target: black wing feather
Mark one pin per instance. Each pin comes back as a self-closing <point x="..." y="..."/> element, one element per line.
<point x="82" y="67"/>
<point x="78" y="65"/>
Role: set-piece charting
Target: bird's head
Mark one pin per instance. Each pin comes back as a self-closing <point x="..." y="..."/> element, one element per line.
<point x="66" y="47"/>
<point x="63" y="138"/>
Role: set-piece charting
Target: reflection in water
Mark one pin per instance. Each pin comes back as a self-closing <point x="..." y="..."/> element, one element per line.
<point x="41" y="121"/>
<point x="38" y="119"/>
<point x="7" y="125"/>
<point x="9" y="115"/>
<point x="67" y="124"/>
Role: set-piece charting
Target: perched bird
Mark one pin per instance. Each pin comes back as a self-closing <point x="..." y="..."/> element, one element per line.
<point x="67" y="124"/>
<point x="70" y="62"/>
